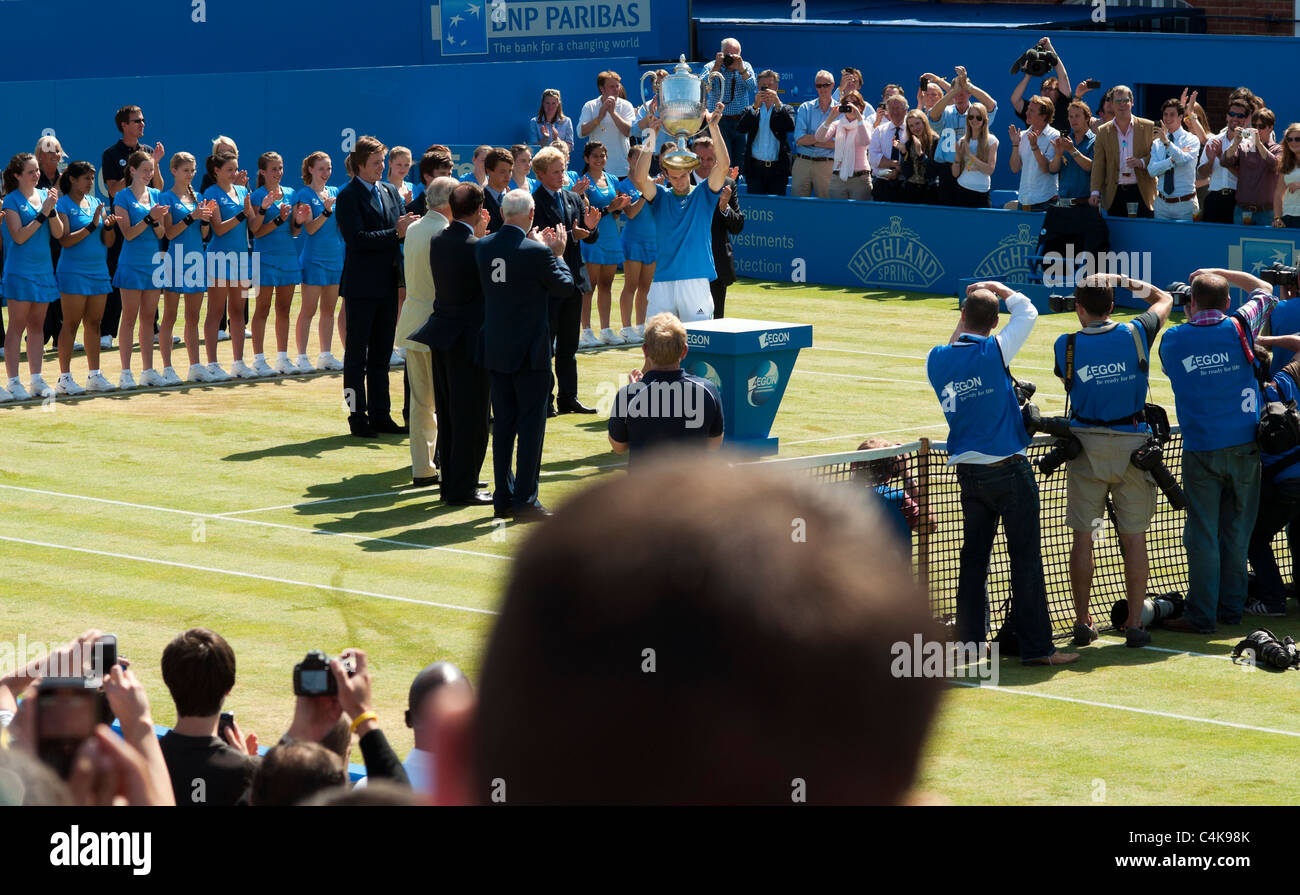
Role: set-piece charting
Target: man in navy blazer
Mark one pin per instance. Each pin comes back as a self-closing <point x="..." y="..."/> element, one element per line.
<point x="499" y="165"/>
<point x="522" y="279"/>
<point x="557" y="207"/>
<point x="372" y="223"/>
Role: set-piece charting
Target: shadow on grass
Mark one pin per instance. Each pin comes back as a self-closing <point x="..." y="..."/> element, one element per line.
<point x="315" y="447"/>
<point x="424" y="524"/>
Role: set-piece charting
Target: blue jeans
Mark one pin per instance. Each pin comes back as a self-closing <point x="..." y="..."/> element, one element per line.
<point x="1009" y="493"/>
<point x="1222" y="488"/>
<point x="735" y="140"/>
<point x="1279" y="506"/>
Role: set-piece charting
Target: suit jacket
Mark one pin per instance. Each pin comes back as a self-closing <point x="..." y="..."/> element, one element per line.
<point x="419" y="283"/>
<point x="1105" y="161"/>
<point x="458" y="294"/>
<point x="495" y="221"/>
<point x="721" y="228"/>
<point x="520" y="278"/>
<point x="372" y="249"/>
<point x="781" y="124"/>
<point x="546" y="215"/>
<point x="419" y="205"/>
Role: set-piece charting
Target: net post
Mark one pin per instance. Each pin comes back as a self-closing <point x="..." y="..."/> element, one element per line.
<point x="923" y="514"/>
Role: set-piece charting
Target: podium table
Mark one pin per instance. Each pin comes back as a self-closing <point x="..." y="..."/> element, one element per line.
<point x="750" y="361"/>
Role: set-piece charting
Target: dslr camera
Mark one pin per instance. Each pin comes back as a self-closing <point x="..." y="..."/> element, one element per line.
<point x="1278" y="274"/>
<point x="1181" y="293"/>
<point x="845" y="108"/>
<point x="727" y="60"/>
<point x="1067" y="445"/>
<point x="1060" y="303"/>
<point x="1150" y="456"/>
<point x="1035" y="62"/>
<point x="312" y="676"/>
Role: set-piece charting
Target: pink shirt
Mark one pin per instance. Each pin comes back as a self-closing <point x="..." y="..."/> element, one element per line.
<point x="1126" y="174"/>
<point x="852" y="140"/>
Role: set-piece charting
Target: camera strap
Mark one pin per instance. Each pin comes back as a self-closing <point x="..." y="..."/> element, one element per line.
<point x="1246" y="342"/>
<point x="1069" y="374"/>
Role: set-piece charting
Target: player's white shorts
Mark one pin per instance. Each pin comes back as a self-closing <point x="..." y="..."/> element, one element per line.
<point x="689" y="300"/>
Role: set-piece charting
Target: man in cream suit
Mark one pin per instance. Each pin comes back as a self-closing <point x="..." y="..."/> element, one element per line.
<point x="415" y="313"/>
<point x="1120" y="158"/>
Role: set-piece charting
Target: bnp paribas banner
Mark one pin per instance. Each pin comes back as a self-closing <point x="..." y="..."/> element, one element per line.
<point x="557" y="29"/>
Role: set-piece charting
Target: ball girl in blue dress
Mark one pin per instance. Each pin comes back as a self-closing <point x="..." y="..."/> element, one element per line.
<point x="141" y="220"/>
<point x="280" y="271"/>
<point x="602" y="257"/>
<point x="187" y="224"/>
<point x="321" y="259"/>
<point x="640" y="252"/>
<point x="229" y="270"/>
<point x="28" y="283"/>
<point x="89" y="228"/>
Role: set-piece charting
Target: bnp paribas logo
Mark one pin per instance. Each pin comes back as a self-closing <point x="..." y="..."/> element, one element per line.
<point x="1253" y="255"/>
<point x="1009" y="260"/>
<point x="895" y="256"/>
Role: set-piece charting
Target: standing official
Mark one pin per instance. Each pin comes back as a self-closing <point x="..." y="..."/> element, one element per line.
<point x="371" y="220"/>
<point x="556" y="207"/>
<point x="460" y="386"/>
<point x="520" y="278"/>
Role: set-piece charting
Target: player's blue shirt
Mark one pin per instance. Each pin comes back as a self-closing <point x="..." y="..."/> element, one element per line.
<point x="279" y="241"/>
<point x="88" y="258"/>
<point x="325" y="246"/>
<point x="682" y="228"/>
<point x="191" y="238"/>
<point x="236" y="238"/>
<point x="642" y="227"/>
<point x="1285" y="321"/>
<point x="138" y="252"/>
<point x="1285" y="390"/>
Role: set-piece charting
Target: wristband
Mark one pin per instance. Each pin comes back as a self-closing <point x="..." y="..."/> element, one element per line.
<point x="41" y="217"/>
<point x="362" y="719"/>
<point x="326" y="213"/>
<point x="90" y="228"/>
<point x="242" y="216"/>
<point x="187" y="220"/>
<point x="275" y="222"/>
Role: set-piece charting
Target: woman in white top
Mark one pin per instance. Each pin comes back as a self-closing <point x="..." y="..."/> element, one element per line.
<point x="1286" y="198"/>
<point x="977" y="156"/>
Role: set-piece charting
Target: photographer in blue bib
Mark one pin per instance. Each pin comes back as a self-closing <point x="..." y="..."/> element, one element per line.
<point x="1104" y="367"/>
<point x="1210" y="363"/>
<point x="986" y="445"/>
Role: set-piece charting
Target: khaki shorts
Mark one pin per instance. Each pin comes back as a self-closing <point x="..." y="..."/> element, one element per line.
<point x="1104" y="468"/>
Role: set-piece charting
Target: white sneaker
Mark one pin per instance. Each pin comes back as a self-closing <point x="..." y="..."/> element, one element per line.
<point x="640" y="332"/>
<point x="248" y="333"/>
<point x="243" y="370"/>
<point x="198" y="373"/>
<point x="66" y="385"/>
<point x="17" y="392"/>
<point x="97" y="382"/>
<point x="4" y="395"/>
<point x="40" y="388"/>
<point x="588" y="339"/>
<point x="396" y="359"/>
<point x="217" y="374"/>
<point x="630" y="336"/>
<point x="126" y="380"/>
<point x="262" y="368"/>
<point x="106" y="343"/>
<point x="151" y="378"/>
<point x="609" y="337"/>
<point x="223" y="336"/>
<point x="304" y="364"/>
<point x="285" y="367"/>
<point x="169" y="376"/>
<point x="327" y="361"/>
<point x="77" y="346"/>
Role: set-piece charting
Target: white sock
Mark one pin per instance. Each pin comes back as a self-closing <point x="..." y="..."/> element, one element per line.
<point x="14" y="380"/>
<point x="282" y="355"/>
<point x="92" y="373"/>
<point x="258" y="357"/>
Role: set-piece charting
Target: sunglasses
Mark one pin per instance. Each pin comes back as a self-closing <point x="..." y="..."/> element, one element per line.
<point x="820" y="86"/>
<point x="1236" y="114"/>
<point x="137" y="121"/>
<point x="1293" y="139"/>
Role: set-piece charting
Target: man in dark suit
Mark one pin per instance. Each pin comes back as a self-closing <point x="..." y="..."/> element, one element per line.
<point x="460" y="386"/>
<point x="728" y="219"/>
<point x="372" y="223"/>
<point x="498" y="165"/>
<point x="767" y="125"/>
<point x="521" y="280"/>
<point x="432" y="166"/>
<point x="555" y="207"/>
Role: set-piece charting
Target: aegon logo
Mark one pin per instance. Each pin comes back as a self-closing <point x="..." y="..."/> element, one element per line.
<point x="771" y="340"/>
<point x="1088" y="372"/>
<point x="957" y="388"/>
<point x="1201" y="361"/>
<point x="699" y="340"/>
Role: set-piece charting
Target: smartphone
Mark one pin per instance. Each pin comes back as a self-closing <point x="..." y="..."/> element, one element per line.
<point x="1092" y="83"/>
<point x="925" y="83"/>
<point x="66" y="713"/>
<point x="227" y="721"/>
<point x="105" y="656"/>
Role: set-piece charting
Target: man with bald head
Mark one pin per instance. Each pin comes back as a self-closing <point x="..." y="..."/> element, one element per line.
<point x="986" y="445"/>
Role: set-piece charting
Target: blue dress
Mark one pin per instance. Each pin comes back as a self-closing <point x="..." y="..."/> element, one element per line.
<point x="138" y="262"/>
<point x="29" y="269"/>
<point x="640" y="240"/>
<point x="188" y="246"/>
<point x="278" y="256"/>
<point x="83" y="268"/>
<point x="228" y="259"/>
<point x="321" y="253"/>
<point x="608" y="247"/>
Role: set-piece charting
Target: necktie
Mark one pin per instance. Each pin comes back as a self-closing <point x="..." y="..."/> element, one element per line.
<point x="1169" y="183"/>
<point x="893" y="153"/>
<point x="559" y="208"/>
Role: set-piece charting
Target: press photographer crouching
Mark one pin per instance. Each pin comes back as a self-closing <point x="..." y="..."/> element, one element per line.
<point x="1210" y="363"/>
<point x="986" y="444"/>
<point x="1104" y="367"/>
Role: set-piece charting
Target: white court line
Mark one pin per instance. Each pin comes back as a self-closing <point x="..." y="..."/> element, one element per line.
<point x="1176" y="652"/>
<point x="184" y="565"/>
<point x="867" y="435"/>
<point x="310" y="531"/>
<point x="1129" y="708"/>
<point x="903" y="356"/>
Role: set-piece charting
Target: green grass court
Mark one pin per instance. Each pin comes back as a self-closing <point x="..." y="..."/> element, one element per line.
<point x="245" y="507"/>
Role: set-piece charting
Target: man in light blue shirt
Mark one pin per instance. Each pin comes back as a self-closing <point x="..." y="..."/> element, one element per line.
<point x="1174" y="154"/>
<point x="811" y="172"/>
<point x="738" y="88"/>
<point x="949" y="113"/>
<point x="766" y="125"/>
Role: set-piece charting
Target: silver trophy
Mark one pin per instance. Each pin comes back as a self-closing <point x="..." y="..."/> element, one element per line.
<point x="682" y="107"/>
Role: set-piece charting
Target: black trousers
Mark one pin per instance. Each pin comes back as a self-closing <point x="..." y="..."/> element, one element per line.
<point x="564" y="329"/>
<point x="719" y="291"/>
<point x="372" y="323"/>
<point x="948" y="188"/>
<point x="113" y="304"/>
<point x="1219" y="208"/>
<point x="519" y="414"/>
<point x="887" y="191"/>
<point x="762" y="179"/>
<point x="460" y="393"/>
<point x="1124" y="194"/>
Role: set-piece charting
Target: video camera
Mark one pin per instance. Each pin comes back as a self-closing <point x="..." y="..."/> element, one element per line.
<point x="1059" y="304"/>
<point x="1278" y="274"/>
<point x="1035" y="62"/>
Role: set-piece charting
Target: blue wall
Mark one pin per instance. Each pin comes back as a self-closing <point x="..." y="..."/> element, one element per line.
<point x="900" y="55"/>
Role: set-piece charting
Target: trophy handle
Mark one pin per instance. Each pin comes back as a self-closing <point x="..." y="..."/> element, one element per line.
<point x="649" y="74"/>
<point x="705" y="88"/>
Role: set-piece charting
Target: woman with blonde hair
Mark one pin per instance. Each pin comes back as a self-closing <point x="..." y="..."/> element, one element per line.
<point x="977" y="156"/>
<point x="228" y="263"/>
<point x="551" y="123"/>
<point x="920" y="174"/>
<point x="187" y="224"/>
<point x="1286" y="196"/>
<point x="278" y="264"/>
<point x="321" y="260"/>
<point x="142" y="220"/>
